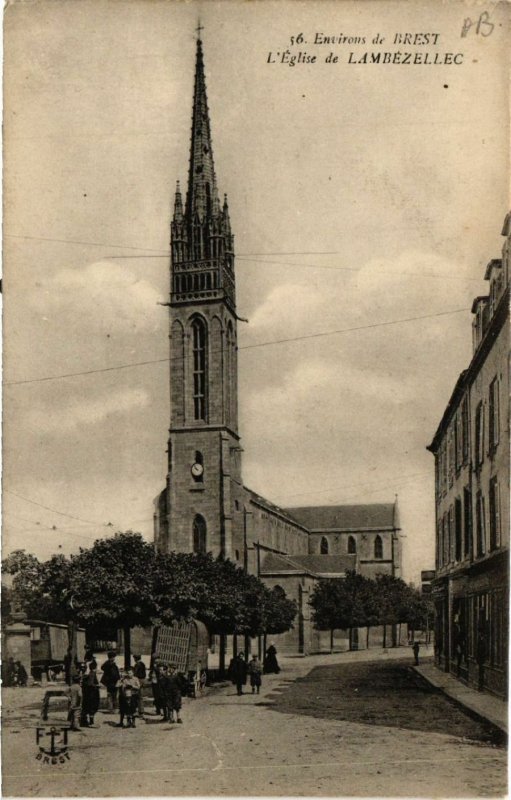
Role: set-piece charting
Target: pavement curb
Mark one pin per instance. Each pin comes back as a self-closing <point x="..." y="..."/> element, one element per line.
<point x="469" y="709"/>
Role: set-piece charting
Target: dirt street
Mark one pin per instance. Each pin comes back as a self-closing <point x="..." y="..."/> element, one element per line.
<point x="331" y="725"/>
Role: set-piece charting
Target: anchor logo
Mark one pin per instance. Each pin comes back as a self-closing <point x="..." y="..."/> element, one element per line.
<point x="56" y="750"/>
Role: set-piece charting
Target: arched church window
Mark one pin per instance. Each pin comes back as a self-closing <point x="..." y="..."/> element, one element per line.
<point x="323" y="547"/>
<point x="199" y="534"/>
<point x="199" y="339"/>
<point x="230" y="379"/>
<point x="378" y="547"/>
<point x="352" y="545"/>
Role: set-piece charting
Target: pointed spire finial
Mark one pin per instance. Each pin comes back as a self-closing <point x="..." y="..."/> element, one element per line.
<point x="202" y="189"/>
<point x="199" y="28"/>
<point x="178" y="204"/>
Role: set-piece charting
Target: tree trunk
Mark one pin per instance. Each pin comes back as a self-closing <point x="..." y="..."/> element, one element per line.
<point x="127" y="647"/>
<point x="367" y="637"/>
<point x="221" y="655"/>
<point x="264" y="646"/>
<point x="72" y="639"/>
<point x="393" y="631"/>
<point x="350" y="635"/>
<point x="247" y="646"/>
<point x="235" y="645"/>
<point x="331" y="640"/>
<point x="384" y="637"/>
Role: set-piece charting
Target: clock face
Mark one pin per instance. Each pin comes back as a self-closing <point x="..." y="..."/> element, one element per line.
<point x="197" y="470"/>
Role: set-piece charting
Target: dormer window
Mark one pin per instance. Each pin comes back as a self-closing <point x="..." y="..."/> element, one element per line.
<point x="481" y="310"/>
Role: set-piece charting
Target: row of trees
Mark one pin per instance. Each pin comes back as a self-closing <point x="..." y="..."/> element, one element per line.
<point x="122" y="582"/>
<point x="359" y="602"/>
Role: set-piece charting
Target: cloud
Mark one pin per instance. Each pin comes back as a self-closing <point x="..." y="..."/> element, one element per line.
<point x="287" y="306"/>
<point x="80" y="412"/>
<point x="102" y="296"/>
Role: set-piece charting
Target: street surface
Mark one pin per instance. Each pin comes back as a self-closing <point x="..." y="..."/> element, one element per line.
<point x="326" y="725"/>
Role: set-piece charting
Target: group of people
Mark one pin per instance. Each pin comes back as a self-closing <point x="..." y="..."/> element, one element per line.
<point x="168" y="686"/>
<point x="240" y="670"/>
<point x="124" y="690"/>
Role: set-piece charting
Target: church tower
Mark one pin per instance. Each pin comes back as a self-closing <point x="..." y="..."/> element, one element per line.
<point x="194" y="512"/>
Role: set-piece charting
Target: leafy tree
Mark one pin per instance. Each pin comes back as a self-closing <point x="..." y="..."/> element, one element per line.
<point x="364" y="606"/>
<point x="19" y="561"/>
<point x="37" y="586"/>
<point x="279" y="611"/>
<point x="122" y="581"/>
<point x="220" y="594"/>
<point x="112" y="583"/>
<point x="331" y="606"/>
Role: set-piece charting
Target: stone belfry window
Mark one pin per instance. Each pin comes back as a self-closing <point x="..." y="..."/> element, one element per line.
<point x="199" y="340"/>
<point x="199" y="534"/>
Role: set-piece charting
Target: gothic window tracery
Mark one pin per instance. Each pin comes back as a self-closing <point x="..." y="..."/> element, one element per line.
<point x="199" y="343"/>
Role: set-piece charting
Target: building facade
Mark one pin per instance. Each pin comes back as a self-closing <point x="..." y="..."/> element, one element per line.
<point x="204" y="506"/>
<point x="471" y="449"/>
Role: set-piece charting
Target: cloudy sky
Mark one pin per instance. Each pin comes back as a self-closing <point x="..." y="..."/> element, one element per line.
<point x="366" y="200"/>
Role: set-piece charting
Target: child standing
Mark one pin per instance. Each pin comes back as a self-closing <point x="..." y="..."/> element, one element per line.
<point x="255" y="670"/>
<point x="129" y="687"/>
<point x="75" y="702"/>
<point x="171" y="684"/>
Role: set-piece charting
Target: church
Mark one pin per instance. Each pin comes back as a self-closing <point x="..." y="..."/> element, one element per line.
<point x="205" y="506"/>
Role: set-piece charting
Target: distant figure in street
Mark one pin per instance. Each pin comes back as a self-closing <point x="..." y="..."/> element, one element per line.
<point x="129" y="688"/>
<point x="8" y="672"/>
<point x="238" y="670"/>
<point x="202" y="676"/>
<point x="270" y="660"/>
<point x="90" y="692"/>
<point x="110" y="679"/>
<point x="139" y="671"/>
<point x="75" y="702"/>
<point x="20" y="676"/>
<point x="154" y="677"/>
<point x="255" y="669"/>
<point x="416" y="647"/>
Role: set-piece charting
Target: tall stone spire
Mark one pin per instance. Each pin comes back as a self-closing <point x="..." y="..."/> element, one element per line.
<point x="202" y="197"/>
<point x="202" y="243"/>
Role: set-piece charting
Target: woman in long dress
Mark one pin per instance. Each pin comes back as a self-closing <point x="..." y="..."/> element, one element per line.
<point x="270" y="661"/>
<point x="90" y="692"/>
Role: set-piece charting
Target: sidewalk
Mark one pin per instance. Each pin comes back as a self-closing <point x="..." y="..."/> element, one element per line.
<point x="481" y="704"/>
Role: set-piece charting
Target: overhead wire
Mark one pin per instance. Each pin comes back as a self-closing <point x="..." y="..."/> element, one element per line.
<point x="239" y="257"/>
<point x="55" y="511"/>
<point x="241" y="347"/>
